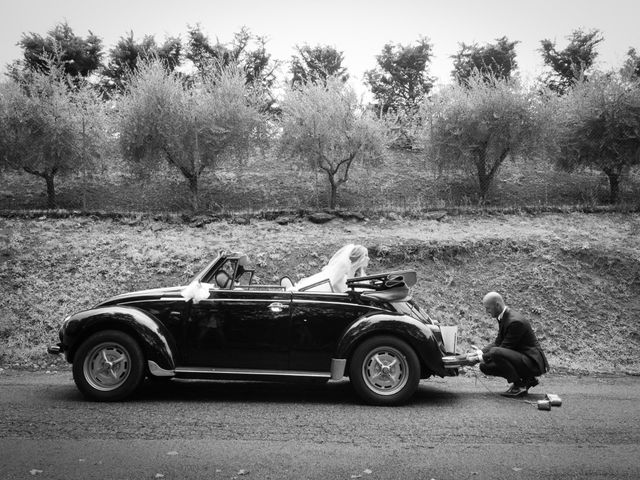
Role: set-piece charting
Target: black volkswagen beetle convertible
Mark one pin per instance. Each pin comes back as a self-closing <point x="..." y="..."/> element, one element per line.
<point x="224" y="325"/>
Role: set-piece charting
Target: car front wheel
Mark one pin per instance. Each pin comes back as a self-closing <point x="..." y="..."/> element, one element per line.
<point x="108" y="366"/>
<point x="384" y="370"/>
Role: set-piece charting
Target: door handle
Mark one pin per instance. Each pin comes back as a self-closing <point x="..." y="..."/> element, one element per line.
<point x="277" y="307"/>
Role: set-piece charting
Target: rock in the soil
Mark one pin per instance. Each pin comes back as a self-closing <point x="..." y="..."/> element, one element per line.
<point x="241" y="220"/>
<point x="199" y="222"/>
<point x="352" y="216"/>
<point x="285" y="220"/>
<point x="439" y="215"/>
<point x="132" y="222"/>
<point x="321" y="217"/>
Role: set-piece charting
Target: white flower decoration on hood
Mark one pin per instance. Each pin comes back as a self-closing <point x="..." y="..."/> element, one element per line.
<point x="195" y="291"/>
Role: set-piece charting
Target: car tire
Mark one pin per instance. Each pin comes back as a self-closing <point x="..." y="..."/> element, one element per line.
<point x="108" y="366"/>
<point x="384" y="370"/>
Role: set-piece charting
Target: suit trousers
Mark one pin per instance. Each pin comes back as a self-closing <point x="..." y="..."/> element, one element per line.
<point x="507" y="363"/>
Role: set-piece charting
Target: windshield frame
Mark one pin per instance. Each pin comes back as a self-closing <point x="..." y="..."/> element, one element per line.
<point x="209" y="267"/>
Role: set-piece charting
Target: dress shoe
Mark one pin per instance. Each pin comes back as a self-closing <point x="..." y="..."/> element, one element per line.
<point x="515" y="391"/>
<point x="531" y="382"/>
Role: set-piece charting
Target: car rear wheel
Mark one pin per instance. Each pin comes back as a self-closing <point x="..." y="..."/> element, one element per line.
<point x="108" y="366"/>
<point x="384" y="370"/>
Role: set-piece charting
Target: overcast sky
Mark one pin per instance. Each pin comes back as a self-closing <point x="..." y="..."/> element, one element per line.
<point x="358" y="28"/>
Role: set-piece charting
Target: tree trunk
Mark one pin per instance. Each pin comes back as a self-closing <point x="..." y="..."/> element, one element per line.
<point x="484" y="178"/>
<point x="335" y="183"/>
<point x="333" y="193"/>
<point x="51" y="191"/>
<point x="193" y="187"/>
<point x="614" y="186"/>
<point x="48" y="178"/>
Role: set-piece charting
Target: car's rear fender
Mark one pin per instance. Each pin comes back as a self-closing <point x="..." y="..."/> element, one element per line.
<point x="415" y="333"/>
<point x="155" y="340"/>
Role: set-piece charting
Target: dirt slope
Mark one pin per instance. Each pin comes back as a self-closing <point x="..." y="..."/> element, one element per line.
<point x="576" y="276"/>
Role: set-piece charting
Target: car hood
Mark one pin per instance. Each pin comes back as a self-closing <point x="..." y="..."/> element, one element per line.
<point x="154" y="293"/>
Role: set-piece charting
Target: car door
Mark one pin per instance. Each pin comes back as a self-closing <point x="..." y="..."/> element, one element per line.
<point x="239" y="329"/>
<point x="318" y="321"/>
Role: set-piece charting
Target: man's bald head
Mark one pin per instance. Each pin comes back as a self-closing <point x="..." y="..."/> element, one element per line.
<point x="493" y="304"/>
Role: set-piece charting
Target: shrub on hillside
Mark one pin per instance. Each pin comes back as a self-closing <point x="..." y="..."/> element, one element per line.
<point x="326" y="128"/>
<point x="478" y="125"/>
<point x="598" y="126"/>
<point x="50" y="125"/>
<point x="191" y="126"/>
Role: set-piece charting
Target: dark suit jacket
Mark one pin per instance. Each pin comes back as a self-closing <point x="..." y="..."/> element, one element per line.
<point x="515" y="333"/>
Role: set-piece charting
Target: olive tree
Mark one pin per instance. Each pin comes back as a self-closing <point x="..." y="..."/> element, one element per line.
<point x="326" y="128"/>
<point x="479" y="125"/>
<point x="11" y="102"/>
<point x="51" y="125"/>
<point x="191" y="125"/>
<point x="598" y="126"/>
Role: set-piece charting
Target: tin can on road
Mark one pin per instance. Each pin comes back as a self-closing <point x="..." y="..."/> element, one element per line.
<point x="544" y="405"/>
<point x="554" y="400"/>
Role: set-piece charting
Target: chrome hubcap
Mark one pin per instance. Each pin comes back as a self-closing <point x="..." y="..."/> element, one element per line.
<point x="385" y="370"/>
<point x="107" y="366"/>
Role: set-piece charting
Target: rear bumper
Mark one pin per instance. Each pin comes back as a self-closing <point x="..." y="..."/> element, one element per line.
<point x="456" y="361"/>
<point x="55" y="349"/>
<point x="452" y="364"/>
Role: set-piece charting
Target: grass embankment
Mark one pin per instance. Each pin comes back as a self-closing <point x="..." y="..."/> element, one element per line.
<point x="576" y="276"/>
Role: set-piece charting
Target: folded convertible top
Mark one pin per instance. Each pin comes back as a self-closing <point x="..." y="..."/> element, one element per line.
<point x="388" y="286"/>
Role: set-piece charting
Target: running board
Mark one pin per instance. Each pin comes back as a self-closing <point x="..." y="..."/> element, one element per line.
<point x="241" y="373"/>
<point x="338" y="366"/>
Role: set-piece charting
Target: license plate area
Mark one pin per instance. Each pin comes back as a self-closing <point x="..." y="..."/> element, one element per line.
<point x="449" y="338"/>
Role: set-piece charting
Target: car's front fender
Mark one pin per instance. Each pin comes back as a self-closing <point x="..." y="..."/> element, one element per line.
<point x="155" y="340"/>
<point x="414" y="332"/>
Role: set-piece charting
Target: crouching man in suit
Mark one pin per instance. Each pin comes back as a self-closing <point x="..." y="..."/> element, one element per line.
<point x="515" y="354"/>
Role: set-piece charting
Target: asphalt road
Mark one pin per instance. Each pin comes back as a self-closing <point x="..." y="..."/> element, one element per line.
<point x="455" y="428"/>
